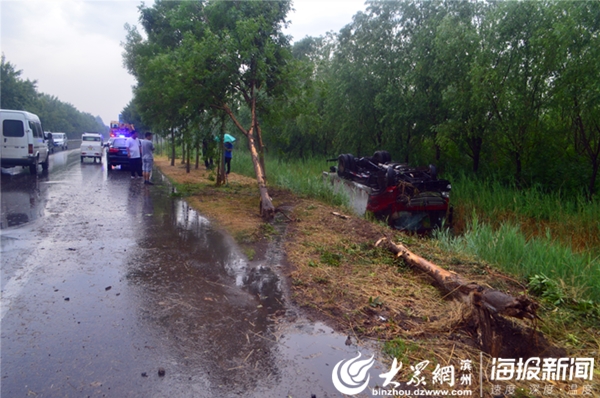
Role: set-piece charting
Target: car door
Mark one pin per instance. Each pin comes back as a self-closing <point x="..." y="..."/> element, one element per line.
<point x="14" y="137"/>
<point x="39" y="143"/>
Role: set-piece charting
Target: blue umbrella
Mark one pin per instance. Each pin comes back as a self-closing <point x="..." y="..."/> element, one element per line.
<point x="226" y="138"/>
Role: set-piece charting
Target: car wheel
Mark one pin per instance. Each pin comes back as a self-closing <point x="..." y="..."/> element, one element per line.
<point x="343" y="165"/>
<point x="341" y="169"/>
<point x="33" y="168"/>
<point x="45" y="163"/>
<point x="382" y="157"/>
<point x="346" y="164"/>
<point x="390" y="177"/>
<point x="352" y="162"/>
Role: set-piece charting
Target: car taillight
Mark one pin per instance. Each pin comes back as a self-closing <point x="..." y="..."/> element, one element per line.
<point x="113" y="150"/>
<point x="30" y="149"/>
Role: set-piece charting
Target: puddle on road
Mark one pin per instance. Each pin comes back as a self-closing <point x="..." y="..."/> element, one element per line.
<point x="220" y="317"/>
<point x="306" y="355"/>
<point x="155" y="284"/>
<point x="22" y="200"/>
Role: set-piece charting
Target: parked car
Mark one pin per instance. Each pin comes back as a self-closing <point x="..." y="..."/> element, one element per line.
<point x="117" y="152"/>
<point x="60" y="140"/>
<point x="23" y="140"/>
<point x="92" y="146"/>
<point x="408" y="198"/>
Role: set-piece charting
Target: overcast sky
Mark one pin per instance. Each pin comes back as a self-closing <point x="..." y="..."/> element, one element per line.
<point x="73" y="47"/>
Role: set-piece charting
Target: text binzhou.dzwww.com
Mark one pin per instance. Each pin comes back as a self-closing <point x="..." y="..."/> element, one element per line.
<point x="421" y="393"/>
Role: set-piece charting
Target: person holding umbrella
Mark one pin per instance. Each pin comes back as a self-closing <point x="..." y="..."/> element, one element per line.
<point x="228" y="143"/>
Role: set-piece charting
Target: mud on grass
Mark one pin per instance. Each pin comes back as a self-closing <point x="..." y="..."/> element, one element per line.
<point x="337" y="275"/>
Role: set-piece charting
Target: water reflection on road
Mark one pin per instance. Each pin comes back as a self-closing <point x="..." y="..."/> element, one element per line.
<point x="189" y="276"/>
<point x="110" y="280"/>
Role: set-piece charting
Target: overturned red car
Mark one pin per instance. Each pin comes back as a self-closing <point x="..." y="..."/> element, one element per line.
<point x="408" y="198"/>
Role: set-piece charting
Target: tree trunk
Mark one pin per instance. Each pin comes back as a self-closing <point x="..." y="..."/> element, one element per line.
<point x="188" y="152"/>
<point x="183" y="151"/>
<point x="592" y="187"/>
<point x="221" y="176"/>
<point x="518" y="167"/>
<point x="267" y="210"/>
<point x="486" y="303"/>
<point x="407" y="146"/>
<point x="261" y="151"/>
<point x="475" y="144"/>
<point x="172" y="147"/>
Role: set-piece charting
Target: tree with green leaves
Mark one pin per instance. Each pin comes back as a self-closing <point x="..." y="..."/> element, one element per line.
<point x="16" y="92"/>
<point x="462" y="61"/>
<point x="523" y="56"/>
<point x="221" y="55"/>
<point x="577" y="85"/>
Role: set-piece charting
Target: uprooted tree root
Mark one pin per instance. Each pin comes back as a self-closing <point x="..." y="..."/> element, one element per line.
<point x="489" y="308"/>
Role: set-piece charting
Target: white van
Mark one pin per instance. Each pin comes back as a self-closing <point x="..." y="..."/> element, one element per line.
<point x="23" y="142"/>
<point x="91" y="146"/>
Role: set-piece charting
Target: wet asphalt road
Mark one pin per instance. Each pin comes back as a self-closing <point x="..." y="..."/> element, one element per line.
<point x="105" y="281"/>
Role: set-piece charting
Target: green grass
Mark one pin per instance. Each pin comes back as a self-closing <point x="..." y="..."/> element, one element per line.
<point x="530" y="233"/>
<point x="507" y="248"/>
<point x="535" y="235"/>
<point x="303" y="177"/>
<point x="493" y="200"/>
<point x="400" y="349"/>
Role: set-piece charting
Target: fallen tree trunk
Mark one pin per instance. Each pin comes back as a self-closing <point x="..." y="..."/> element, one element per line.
<point x="487" y="304"/>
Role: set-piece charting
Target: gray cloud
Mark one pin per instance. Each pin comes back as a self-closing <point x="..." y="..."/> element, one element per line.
<point x="73" y="47"/>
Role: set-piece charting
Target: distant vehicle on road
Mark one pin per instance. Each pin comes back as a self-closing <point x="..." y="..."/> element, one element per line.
<point x="23" y="140"/>
<point x="117" y="152"/>
<point x="60" y="140"/>
<point x="91" y="146"/>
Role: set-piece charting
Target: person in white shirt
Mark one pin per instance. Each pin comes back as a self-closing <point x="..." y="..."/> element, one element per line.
<point x="134" y="152"/>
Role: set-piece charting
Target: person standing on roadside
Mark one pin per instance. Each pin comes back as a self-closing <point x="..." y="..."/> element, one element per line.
<point x="207" y="153"/>
<point x="228" y="155"/>
<point x="134" y="153"/>
<point x="147" y="157"/>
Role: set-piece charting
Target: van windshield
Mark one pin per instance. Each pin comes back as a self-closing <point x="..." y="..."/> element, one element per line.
<point x="13" y="128"/>
<point x="91" y="138"/>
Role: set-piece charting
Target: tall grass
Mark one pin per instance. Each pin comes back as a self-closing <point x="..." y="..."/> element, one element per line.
<point x="529" y="232"/>
<point x="303" y="177"/>
<point x="574" y="221"/>
<point x="507" y="248"/>
<point x="495" y="198"/>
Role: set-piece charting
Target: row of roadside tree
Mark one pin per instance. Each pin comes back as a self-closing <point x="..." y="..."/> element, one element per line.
<point x="503" y="89"/>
